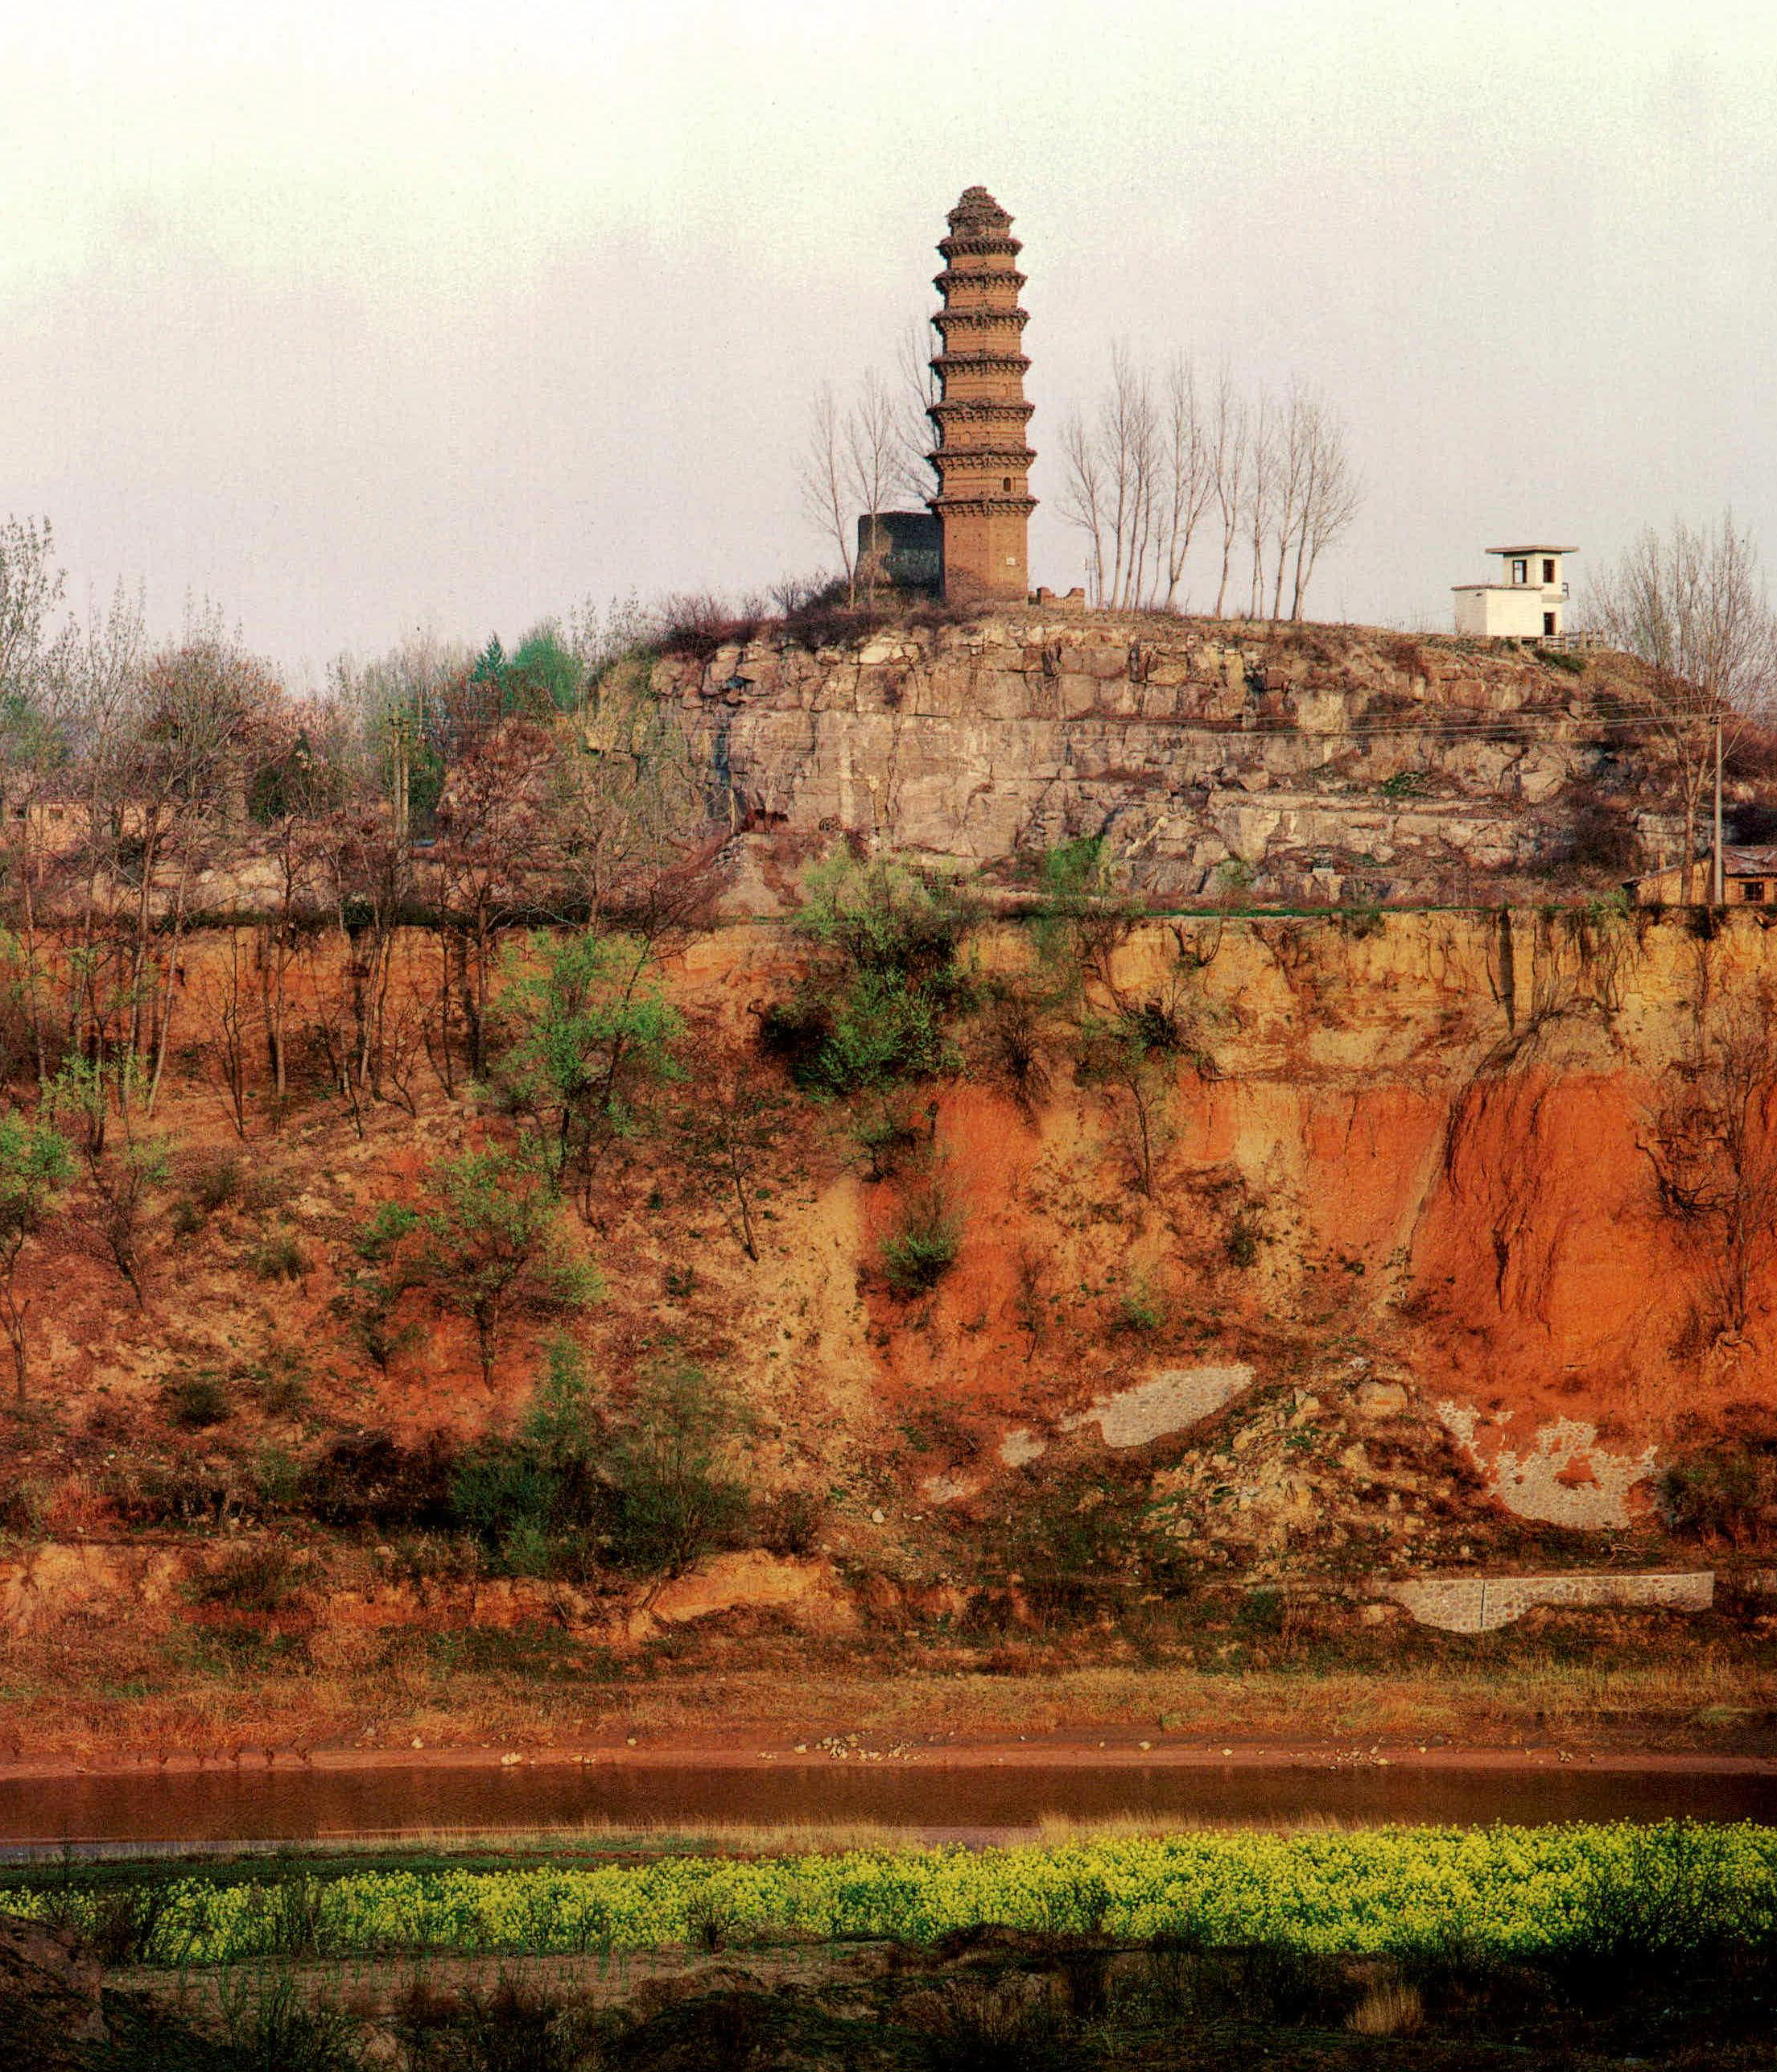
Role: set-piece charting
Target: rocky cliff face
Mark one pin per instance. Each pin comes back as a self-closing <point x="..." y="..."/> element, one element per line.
<point x="1305" y="765"/>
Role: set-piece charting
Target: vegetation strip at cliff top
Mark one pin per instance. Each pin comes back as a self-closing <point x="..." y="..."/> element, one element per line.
<point x="1662" y="1890"/>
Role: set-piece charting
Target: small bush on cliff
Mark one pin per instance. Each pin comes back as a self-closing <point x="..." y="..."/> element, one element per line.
<point x="649" y="1485"/>
<point x="279" y="1257"/>
<point x="1131" y="1059"/>
<point x="1141" y="1307"/>
<point x="35" y="1168"/>
<point x="1725" y="1490"/>
<point x="1071" y="1545"/>
<point x="1081" y="915"/>
<point x="674" y="1488"/>
<point x="535" y="1501"/>
<point x="212" y="1183"/>
<point x="258" y="1578"/>
<point x="197" y="1401"/>
<point x="922" y="1247"/>
<point x="484" y="1242"/>
<point x="890" y="1131"/>
<point x="585" y="1040"/>
<point x="873" y="1008"/>
<point x="1600" y="835"/>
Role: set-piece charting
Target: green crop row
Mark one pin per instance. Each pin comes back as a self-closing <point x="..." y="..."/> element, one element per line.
<point x="1500" y="1890"/>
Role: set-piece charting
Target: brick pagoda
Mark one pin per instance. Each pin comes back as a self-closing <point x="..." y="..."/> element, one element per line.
<point x="984" y="503"/>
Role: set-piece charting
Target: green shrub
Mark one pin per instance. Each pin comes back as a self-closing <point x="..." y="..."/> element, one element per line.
<point x="485" y="1242"/>
<point x="585" y="1041"/>
<point x="259" y="1577"/>
<point x="535" y="1501"/>
<point x="790" y="1524"/>
<point x="872" y="1009"/>
<point x="214" y="1183"/>
<point x="279" y="1257"/>
<point x="1725" y="1490"/>
<point x="923" y="1246"/>
<point x="1071" y="1542"/>
<point x="888" y="1130"/>
<point x="273" y="2023"/>
<point x="1259" y="1611"/>
<point x="196" y="1401"/>
<point x="1140" y="1307"/>
<point x="674" y="1488"/>
<point x="370" y="1481"/>
<point x="281" y="1385"/>
<point x="1245" y="1234"/>
<point x="277" y="1477"/>
<point x="1081" y="917"/>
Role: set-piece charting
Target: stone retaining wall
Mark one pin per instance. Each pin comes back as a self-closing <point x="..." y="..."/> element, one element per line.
<point x="1478" y="1604"/>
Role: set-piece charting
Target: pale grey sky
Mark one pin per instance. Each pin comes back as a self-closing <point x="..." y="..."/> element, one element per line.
<point x="355" y="314"/>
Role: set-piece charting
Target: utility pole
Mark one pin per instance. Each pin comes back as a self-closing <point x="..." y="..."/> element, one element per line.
<point x="1718" y="891"/>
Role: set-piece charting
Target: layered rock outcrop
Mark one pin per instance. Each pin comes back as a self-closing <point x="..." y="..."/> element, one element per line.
<point x="1310" y="765"/>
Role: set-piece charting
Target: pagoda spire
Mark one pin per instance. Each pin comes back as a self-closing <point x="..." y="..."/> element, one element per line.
<point x="984" y="503"/>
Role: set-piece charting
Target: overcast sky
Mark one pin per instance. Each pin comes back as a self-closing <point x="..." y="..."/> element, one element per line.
<point x="354" y="315"/>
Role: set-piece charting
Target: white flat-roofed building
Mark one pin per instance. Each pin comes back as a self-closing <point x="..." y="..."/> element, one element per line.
<point x="1531" y="604"/>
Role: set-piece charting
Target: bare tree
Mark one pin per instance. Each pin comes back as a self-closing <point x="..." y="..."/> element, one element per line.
<point x="491" y="849"/>
<point x="398" y="704"/>
<point x="31" y="585"/>
<point x="36" y="657"/>
<point x="206" y="705"/>
<point x="101" y="696"/>
<point x="1691" y="605"/>
<point x="1113" y="465"/>
<point x="1293" y="437"/>
<point x="824" y="478"/>
<point x="1084" y="500"/>
<point x="1131" y="427"/>
<point x="1230" y="443"/>
<point x="1260" y="489"/>
<point x="1188" y="470"/>
<point x="874" y="455"/>
<point x="917" y="391"/>
<point x="1331" y="492"/>
<point x="855" y="459"/>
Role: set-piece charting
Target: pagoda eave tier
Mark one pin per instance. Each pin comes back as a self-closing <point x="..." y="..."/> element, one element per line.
<point x="973" y="318"/>
<point x="1015" y="458"/>
<point x="979" y="410"/>
<point x="976" y="243"/>
<point x="951" y="279"/>
<point x="941" y="505"/>
<point x="949" y="364"/>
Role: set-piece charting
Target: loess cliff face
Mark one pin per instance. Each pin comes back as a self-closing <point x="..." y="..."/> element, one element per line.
<point x="1320" y="764"/>
<point x="1412" y="1159"/>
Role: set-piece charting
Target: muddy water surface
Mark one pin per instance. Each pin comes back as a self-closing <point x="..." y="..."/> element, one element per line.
<point x="929" y="1800"/>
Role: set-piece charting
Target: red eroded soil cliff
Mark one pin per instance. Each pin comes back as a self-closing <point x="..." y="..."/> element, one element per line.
<point x="1417" y="1148"/>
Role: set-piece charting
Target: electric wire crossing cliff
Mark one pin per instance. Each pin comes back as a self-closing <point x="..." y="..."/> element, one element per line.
<point x="984" y="503"/>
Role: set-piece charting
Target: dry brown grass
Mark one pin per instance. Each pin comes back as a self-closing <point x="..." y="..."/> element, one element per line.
<point x="76" y="1694"/>
<point x="1389" y="2006"/>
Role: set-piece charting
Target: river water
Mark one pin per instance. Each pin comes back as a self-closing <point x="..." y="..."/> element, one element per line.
<point x="930" y="1800"/>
